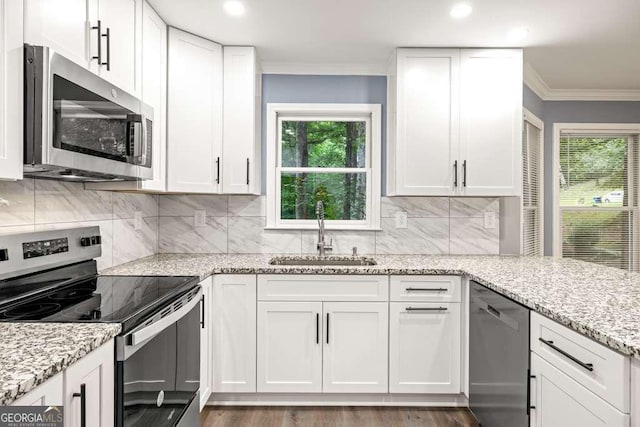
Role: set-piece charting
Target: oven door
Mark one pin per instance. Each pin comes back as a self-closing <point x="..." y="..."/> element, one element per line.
<point x="158" y="367"/>
<point x="79" y="121"/>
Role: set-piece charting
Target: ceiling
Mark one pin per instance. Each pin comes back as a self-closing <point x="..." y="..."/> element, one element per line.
<point x="572" y="44"/>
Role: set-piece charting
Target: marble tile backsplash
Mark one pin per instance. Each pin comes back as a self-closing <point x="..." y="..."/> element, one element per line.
<point x="37" y="205"/>
<point x="235" y="224"/>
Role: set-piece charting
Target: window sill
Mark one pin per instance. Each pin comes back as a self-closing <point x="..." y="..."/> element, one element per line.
<point x="327" y="228"/>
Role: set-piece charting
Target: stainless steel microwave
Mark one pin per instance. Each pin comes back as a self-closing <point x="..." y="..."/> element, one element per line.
<point x="79" y="126"/>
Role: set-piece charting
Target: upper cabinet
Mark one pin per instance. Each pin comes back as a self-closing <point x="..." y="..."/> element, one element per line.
<point x="455" y="122"/>
<point x="101" y="35"/>
<point x="11" y="53"/>
<point x="194" y="134"/>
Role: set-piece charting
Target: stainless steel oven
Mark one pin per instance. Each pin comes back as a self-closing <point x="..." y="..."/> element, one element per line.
<point x="158" y="367"/>
<point x="80" y="127"/>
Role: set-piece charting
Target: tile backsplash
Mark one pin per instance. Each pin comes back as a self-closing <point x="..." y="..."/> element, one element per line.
<point x="36" y="205"/>
<point x="235" y="224"/>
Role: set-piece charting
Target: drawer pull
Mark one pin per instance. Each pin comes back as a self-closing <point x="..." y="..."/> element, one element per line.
<point x="427" y="289"/>
<point x="426" y="309"/>
<point x="587" y="366"/>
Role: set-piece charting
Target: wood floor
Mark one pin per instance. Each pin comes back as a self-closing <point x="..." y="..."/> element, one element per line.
<point x="289" y="416"/>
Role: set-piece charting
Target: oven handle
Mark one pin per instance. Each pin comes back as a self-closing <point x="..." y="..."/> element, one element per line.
<point x="144" y="334"/>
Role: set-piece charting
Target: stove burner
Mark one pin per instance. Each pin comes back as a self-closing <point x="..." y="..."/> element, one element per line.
<point x="32" y="311"/>
<point x="70" y="295"/>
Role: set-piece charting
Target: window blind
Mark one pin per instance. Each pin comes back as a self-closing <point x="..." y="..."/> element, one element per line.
<point x="598" y="198"/>
<point x="531" y="190"/>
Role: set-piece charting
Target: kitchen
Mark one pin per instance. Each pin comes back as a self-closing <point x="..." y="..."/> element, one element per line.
<point x="217" y="212"/>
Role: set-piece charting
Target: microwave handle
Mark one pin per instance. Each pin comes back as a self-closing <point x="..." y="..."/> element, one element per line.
<point x="145" y="142"/>
<point x="135" y="138"/>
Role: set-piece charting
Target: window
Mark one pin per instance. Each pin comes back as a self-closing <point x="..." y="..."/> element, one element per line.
<point x="532" y="186"/>
<point x="597" y="194"/>
<point x="328" y="153"/>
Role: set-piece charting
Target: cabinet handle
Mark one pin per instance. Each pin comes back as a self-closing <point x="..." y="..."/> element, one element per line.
<point x="427" y="289"/>
<point x="247" y="171"/>
<point x="327" y="328"/>
<point x="455" y="173"/>
<point x="99" y="29"/>
<point x="426" y="309"/>
<point x="108" y="36"/>
<point x="529" y="405"/>
<point x="218" y="170"/>
<point x="587" y="366"/>
<point x="203" y="311"/>
<point x="464" y="173"/>
<point x="83" y="404"/>
<point x="317" y="328"/>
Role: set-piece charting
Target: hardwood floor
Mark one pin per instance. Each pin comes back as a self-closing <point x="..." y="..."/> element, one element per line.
<point x="349" y="416"/>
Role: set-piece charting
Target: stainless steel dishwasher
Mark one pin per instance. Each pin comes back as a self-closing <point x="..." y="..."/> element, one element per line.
<point x="498" y="359"/>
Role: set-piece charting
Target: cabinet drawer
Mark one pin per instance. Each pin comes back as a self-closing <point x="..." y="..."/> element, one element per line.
<point x="425" y="288"/>
<point x="601" y="370"/>
<point x="276" y="287"/>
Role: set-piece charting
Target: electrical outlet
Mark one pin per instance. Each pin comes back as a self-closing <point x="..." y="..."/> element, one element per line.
<point x="200" y="218"/>
<point x="401" y="219"/>
<point x="490" y="219"/>
<point x="137" y="222"/>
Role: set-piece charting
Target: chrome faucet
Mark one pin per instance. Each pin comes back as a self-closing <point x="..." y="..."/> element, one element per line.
<point x="322" y="246"/>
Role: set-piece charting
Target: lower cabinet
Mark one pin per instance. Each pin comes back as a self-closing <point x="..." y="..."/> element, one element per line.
<point x="91" y="380"/>
<point x="49" y="393"/>
<point x="206" y="342"/>
<point x="558" y="400"/>
<point x="424" y="347"/>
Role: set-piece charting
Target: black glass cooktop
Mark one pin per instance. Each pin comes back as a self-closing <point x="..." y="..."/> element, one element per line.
<point x="121" y="299"/>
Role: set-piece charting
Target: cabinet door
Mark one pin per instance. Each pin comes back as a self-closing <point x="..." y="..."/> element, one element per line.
<point x="234" y="333"/>
<point x="11" y="87"/>
<point x="63" y="25"/>
<point x="95" y="374"/>
<point x="560" y="401"/>
<point x="48" y="393"/>
<point x="491" y="122"/>
<point x="355" y="347"/>
<point x="427" y="121"/>
<point x="121" y="48"/>
<point x="154" y="90"/>
<point x="289" y="347"/>
<point x="424" y="348"/>
<point x="206" y="342"/>
<point x="194" y="138"/>
<point x="240" y="125"/>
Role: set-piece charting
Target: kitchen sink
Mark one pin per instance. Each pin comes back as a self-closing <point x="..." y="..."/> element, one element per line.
<point x="323" y="260"/>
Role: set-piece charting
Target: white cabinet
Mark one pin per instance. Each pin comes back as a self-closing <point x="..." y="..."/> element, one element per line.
<point x="49" y="393"/>
<point x="558" y="400"/>
<point x="206" y="342"/>
<point x="424" y="347"/>
<point x="355" y="349"/>
<point x="11" y="87"/>
<point x="290" y="347"/>
<point x="241" y="138"/>
<point x="194" y="135"/>
<point x="455" y="119"/>
<point x="234" y="333"/>
<point x="91" y="379"/>
<point x="491" y="121"/>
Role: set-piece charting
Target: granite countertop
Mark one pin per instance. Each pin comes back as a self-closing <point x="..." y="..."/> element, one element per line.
<point x="600" y="302"/>
<point x="31" y="353"/>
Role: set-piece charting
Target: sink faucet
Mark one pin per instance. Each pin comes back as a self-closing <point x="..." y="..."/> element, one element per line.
<point x="322" y="246"/>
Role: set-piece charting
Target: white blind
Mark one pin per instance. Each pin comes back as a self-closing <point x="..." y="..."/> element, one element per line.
<point x="531" y="190"/>
<point x="599" y="198"/>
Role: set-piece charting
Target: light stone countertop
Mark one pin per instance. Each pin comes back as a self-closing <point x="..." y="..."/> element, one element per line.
<point x="600" y="302"/>
<point x="31" y="353"/>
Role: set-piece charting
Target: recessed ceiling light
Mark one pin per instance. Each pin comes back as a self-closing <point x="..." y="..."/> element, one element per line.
<point x="234" y="8"/>
<point x="461" y="10"/>
<point x="518" y="34"/>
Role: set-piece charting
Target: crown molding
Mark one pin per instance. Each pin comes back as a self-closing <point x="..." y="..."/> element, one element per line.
<point x="339" y="69"/>
<point x="542" y="89"/>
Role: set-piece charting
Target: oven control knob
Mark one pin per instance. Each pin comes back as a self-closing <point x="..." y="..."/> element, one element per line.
<point x="85" y="241"/>
<point x="4" y="254"/>
<point x="96" y="240"/>
<point x="160" y="398"/>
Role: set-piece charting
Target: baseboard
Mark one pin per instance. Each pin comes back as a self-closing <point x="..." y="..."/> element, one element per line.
<point x="337" y="399"/>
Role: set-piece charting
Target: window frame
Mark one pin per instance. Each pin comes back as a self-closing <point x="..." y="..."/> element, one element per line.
<point x="629" y="129"/>
<point x="536" y="122"/>
<point x="371" y="113"/>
